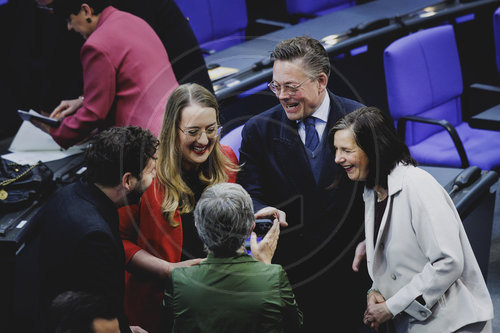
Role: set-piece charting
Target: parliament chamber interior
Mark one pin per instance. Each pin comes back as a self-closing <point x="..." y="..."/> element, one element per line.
<point x="365" y="41"/>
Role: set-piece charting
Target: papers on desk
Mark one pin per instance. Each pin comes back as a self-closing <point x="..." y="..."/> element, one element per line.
<point x="220" y="72"/>
<point x="31" y="145"/>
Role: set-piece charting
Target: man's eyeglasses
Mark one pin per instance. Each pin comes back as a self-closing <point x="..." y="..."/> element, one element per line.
<point x="212" y="132"/>
<point x="288" y="89"/>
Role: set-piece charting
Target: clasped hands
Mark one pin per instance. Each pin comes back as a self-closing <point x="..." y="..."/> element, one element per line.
<point x="376" y="312"/>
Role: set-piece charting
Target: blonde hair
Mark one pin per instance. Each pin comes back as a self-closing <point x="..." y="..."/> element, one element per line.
<point x="177" y="194"/>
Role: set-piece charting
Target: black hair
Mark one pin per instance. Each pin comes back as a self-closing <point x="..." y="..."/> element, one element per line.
<point x="118" y="150"/>
<point x="75" y="311"/>
<point x="64" y="8"/>
<point x="375" y="134"/>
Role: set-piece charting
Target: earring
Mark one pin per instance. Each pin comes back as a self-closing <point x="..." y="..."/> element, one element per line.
<point x="89" y="20"/>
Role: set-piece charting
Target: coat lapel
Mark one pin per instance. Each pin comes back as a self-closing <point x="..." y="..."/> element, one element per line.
<point x="394" y="184"/>
<point x="368" y="198"/>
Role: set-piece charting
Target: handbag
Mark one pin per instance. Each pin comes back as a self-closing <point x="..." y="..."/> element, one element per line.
<point x="22" y="184"/>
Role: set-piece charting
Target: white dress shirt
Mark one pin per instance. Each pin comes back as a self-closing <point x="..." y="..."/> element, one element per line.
<point x="321" y="115"/>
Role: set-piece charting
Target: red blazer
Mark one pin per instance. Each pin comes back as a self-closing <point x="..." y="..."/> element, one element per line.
<point x="142" y="226"/>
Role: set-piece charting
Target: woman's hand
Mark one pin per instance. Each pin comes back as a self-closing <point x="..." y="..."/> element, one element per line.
<point x="359" y="255"/>
<point x="374" y="297"/>
<point x="186" y="263"/>
<point x="264" y="250"/>
<point x="272" y="213"/>
<point x="66" y="107"/>
<point x="376" y="314"/>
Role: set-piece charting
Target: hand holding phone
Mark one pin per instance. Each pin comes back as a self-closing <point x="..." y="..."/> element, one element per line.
<point x="264" y="250"/>
<point x="262" y="226"/>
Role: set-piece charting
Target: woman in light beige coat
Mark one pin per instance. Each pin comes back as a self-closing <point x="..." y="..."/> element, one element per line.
<point x="425" y="276"/>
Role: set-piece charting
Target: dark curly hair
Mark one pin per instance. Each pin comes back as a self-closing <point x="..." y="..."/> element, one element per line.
<point x="118" y="150"/>
<point x="375" y="134"/>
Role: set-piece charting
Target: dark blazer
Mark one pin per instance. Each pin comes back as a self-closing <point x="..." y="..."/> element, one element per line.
<point x="325" y="224"/>
<point x="80" y="247"/>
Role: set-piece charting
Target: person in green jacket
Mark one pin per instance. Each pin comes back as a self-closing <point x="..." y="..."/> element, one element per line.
<point x="232" y="291"/>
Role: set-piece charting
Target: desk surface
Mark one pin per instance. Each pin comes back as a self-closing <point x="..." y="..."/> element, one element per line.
<point x="251" y="58"/>
<point x="488" y="119"/>
<point x="467" y="197"/>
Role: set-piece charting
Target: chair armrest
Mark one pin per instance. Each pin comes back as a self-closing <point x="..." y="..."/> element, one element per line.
<point x="485" y="87"/>
<point x="443" y="123"/>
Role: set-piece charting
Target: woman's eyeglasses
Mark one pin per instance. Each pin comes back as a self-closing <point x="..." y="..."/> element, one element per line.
<point x="212" y="132"/>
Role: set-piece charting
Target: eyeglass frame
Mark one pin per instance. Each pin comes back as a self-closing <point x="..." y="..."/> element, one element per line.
<point x="292" y="89"/>
<point x="200" y="131"/>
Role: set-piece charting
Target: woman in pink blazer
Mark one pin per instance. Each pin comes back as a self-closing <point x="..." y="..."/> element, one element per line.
<point x="127" y="75"/>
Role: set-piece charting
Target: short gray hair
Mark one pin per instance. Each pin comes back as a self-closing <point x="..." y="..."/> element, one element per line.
<point x="224" y="218"/>
<point x="313" y="55"/>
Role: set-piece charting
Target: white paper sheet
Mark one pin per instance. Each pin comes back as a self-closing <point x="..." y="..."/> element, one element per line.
<point x="31" y="145"/>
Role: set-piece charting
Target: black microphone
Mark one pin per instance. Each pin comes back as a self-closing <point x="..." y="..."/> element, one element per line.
<point x="465" y="178"/>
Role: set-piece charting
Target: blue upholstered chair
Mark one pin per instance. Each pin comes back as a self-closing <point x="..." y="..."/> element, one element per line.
<point x="233" y="140"/>
<point x="217" y="24"/>
<point x="424" y="88"/>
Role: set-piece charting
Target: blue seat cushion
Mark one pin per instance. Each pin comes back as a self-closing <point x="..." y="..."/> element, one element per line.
<point x="482" y="148"/>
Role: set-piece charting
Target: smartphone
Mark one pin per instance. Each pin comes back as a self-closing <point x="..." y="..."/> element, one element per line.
<point x="262" y="226"/>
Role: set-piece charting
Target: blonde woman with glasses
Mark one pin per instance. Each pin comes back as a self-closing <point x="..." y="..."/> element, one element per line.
<point x="159" y="234"/>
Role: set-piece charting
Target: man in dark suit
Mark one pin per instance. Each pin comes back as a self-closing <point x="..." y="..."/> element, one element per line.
<point x="80" y="245"/>
<point x="289" y="170"/>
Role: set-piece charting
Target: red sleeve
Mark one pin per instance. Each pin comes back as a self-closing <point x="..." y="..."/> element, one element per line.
<point x="129" y="226"/>
<point x="228" y="151"/>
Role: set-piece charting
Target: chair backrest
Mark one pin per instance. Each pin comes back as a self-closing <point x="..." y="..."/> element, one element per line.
<point x="233" y="140"/>
<point x="217" y="24"/>
<point x="316" y="7"/>
<point x="423" y="77"/>
<point x="496" y="34"/>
